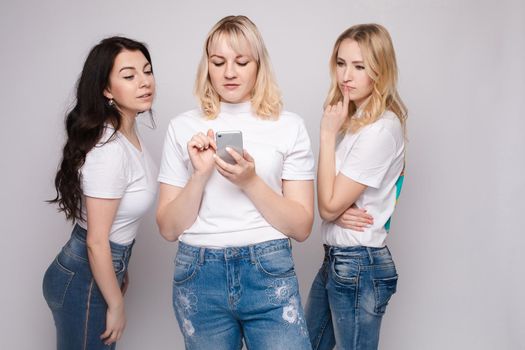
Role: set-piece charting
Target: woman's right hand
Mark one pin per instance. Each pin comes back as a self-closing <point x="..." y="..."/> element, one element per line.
<point x="201" y="149"/>
<point x="355" y="219"/>
<point x="335" y="115"/>
<point x="115" y="324"/>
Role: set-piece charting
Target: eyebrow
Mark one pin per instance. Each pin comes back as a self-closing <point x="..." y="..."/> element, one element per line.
<point x="353" y="62"/>
<point x="222" y="57"/>
<point x="123" y="68"/>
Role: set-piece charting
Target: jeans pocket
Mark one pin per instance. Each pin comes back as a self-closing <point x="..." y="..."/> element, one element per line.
<point x="56" y="283"/>
<point x="276" y="264"/>
<point x="345" y="271"/>
<point x="384" y="288"/>
<point x="185" y="268"/>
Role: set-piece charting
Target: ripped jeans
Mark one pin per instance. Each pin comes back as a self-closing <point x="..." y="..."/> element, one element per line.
<point x="224" y="296"/>
<point x="349" y="297"/>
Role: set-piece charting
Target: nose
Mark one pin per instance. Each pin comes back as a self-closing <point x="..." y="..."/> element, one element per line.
<point x="229" y="71"/>
<point x="348" y="74"/>
<point x="145" y="80"/>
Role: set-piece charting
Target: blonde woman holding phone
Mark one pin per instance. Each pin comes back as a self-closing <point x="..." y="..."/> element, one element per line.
<point x="234" y="275"/>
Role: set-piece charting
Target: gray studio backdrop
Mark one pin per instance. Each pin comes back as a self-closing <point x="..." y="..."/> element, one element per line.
<point x="457" y="232"/>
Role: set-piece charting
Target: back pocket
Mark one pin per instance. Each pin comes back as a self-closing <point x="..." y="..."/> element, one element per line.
<point x="384" y="288"/>
<point x="56" y="283"/>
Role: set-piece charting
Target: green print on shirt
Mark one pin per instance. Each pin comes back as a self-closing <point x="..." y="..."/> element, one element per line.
<point x="399" y="185"/>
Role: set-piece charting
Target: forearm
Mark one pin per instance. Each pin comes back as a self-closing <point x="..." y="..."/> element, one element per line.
<point x="181" y="212"/>
<point x="100" y="261"/>
<point x="286" y="215"/>
<point x="326" y="177"/>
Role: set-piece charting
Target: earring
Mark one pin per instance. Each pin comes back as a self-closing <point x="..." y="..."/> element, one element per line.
<point x="111" y="102"/>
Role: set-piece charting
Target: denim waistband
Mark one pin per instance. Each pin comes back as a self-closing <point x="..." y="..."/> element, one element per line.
<point x="231" y="253"/>
<point x="356" y="252"/>
<point x="77" y="245"/>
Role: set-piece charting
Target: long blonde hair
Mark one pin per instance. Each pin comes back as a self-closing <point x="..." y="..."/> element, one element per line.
<point x="266" y="97"/>
<point x="380" y="64"/>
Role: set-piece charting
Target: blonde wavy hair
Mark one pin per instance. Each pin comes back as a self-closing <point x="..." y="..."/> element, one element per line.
<point x="380" y="64"/>
<point x="266" y="98"/>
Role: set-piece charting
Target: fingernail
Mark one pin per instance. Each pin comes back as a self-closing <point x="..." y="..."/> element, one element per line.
<point x="228" y="148"/>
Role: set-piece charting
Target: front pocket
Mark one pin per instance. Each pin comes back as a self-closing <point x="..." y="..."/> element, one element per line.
<point x="384" y="288"/>
<point x="185" y="268"/>
<point x="345" y="271"/>
<point x="276" y="264"/>
<point x="56" y="283"/>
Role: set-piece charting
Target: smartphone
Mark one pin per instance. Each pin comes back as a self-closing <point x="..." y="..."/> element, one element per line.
<point x="232" y="139"/>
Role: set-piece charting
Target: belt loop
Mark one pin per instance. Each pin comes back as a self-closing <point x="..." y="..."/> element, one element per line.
<point x="370" y="256"/>
<point x="252" y="254"/>
<point x="290" y="243"/>
<point x="202" y="251"/>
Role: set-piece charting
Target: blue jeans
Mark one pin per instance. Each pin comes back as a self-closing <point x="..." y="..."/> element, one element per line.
<point x="349" y="296"/>
<point x="78" y="307"/>
<point x="222" y="296"/>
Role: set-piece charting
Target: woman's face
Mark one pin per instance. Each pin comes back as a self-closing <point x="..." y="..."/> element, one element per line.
<point x="232" y="74"/>
<point x="351" y="73"/>
<point x="131" y="83"/>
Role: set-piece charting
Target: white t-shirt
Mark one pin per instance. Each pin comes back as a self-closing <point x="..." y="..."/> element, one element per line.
<point x="373" y="156"/>
<point x="117" y="169"/>
<point x="227" y="217"/>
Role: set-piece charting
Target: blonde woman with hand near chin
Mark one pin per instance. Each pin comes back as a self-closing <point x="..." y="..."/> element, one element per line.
<point x="350" y="293"/>
<point x="234" y="275"/>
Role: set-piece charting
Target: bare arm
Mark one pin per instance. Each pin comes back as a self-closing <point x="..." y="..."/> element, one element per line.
<point x="178" y="207"/>
<point x="100" y="216"/>
<point x="335" y="194"/>
<point x="291" y="213"/>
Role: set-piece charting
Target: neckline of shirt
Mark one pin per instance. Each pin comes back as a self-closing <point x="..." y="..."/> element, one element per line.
<point x="236" y="108"/>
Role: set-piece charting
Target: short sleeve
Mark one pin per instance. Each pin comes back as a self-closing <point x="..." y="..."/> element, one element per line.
<point x="299" y="163"/>
<point x="370" y="157"/>
<point x="105" y="171"/>
<point x="173" y="170"/>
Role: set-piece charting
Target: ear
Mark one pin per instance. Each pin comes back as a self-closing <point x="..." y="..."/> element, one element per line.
<point x="108" y="93"/>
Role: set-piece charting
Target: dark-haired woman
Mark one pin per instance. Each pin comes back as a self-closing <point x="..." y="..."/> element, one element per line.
<point x="105" y="183"/>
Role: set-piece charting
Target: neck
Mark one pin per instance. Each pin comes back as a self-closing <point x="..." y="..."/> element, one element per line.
<point x="127" y="125"/>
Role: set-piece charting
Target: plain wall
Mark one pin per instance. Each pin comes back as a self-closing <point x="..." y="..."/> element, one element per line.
<point x="457" y="232"/>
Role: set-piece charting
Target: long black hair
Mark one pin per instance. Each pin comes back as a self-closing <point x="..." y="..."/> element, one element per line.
<point x="85" y="122"/>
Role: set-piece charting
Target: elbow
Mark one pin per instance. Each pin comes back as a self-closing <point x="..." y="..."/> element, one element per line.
<point x="326" y="214"/>
<point x="169" y="234"/>
<point x="304" y="231"/>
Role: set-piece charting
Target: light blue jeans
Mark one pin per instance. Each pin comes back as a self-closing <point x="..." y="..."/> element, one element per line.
<point x="222" y="296"/>
<point x="349" y="296"/>
<point x="78" y="307"/>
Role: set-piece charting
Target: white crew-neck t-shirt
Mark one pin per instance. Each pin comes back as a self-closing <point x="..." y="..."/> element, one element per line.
<point x="227" y="217"/>
<point x="115" y="168"/>
<point x="373" y="156"/>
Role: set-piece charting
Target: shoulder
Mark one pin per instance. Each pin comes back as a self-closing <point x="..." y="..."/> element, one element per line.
<point x="388" y="125"/>
<point x="110" y="144"/>
<point x="291" y="121"/>
<point x="192" y="116"/>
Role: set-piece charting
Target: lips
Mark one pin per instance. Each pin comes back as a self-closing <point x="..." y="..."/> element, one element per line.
<point x="146" y="95"/>
<point x="231" y="86"/>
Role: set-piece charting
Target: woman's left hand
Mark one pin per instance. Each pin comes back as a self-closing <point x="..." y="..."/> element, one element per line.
<point x="125" y="283"/>
<point x="242" y="173"/>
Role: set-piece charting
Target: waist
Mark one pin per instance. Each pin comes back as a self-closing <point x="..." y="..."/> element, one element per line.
<point x="231" y="253"/>
<point x="366" y="255"/>
<point x="232" y="238"/>
<point x="77" y="245"/>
